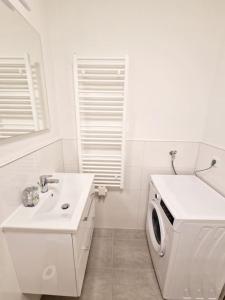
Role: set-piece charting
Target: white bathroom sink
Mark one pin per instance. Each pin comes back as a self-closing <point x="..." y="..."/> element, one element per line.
<point x="70" y="193"/>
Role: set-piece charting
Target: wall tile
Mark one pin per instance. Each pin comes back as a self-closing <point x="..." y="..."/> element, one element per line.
<point x="118" y="210"/>
<point x="157" y="159"/>
<point x="50" y="158"/>
<point x="14" y="178"/>
<point x="71" y="168"/>
<point x="156" y="155"/>
<point x="70" y="155"/>
<point x="132" y="177"/>
<point x="142" y="209"/>
<point x="215" y="176"/>
<point x="134" y="153"/>
<point x="127" y="209"/>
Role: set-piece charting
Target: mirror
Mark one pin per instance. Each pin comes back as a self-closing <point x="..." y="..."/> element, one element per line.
<point x="23" y="98"/>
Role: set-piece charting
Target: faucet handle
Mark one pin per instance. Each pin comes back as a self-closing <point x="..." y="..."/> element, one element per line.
<point x="42" y="178"/>
<point x="44" y="182"/>
<point x="45" y="176"/>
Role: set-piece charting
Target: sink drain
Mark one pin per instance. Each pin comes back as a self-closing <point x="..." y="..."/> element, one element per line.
<point x="65" y="206"/>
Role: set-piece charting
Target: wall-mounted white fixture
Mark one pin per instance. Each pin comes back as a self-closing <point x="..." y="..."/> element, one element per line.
<point x="100" y="97"/>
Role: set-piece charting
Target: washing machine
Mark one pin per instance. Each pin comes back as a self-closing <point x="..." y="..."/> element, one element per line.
<point x="185" y="229"/>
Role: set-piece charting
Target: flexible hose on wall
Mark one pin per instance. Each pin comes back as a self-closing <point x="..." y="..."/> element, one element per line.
<point x="173" y="153"/>
<point x="173" y="167"/>
<point x="213" y="162"/>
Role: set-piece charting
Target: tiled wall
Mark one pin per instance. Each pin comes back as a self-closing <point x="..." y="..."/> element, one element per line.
<point x="14" y="178"/>
<point x="127" y="209"/>
<point x="215" y="176"/>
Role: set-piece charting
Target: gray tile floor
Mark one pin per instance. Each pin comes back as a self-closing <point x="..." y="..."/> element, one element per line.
<point x="119" y="268"/>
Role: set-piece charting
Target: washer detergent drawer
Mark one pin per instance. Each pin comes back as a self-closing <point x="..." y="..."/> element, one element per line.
<point x="41" y="261"/>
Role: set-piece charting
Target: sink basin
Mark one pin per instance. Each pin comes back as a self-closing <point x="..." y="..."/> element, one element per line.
<point x="59" y="209"/>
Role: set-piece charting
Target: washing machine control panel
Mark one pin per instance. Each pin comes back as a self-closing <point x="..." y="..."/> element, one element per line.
<point x="167" y="212"/>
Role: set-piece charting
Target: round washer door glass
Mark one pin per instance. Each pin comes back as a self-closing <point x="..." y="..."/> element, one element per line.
<point x="156" y="226"/>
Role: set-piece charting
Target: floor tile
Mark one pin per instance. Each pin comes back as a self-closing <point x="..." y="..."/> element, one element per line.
<point x="131" y="254"/>
<point x="103" y="233"/>
<point x="97" y="285"/>
<point x="101" y="253"/>
<point x="141" y="279"/>
<point x="123" y="292"/>
<point x="119" y="268"/>
<point x="140" y="284"/>
<point x="126" y="234"/>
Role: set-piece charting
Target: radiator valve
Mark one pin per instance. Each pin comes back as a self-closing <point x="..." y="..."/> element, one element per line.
<point x="101" y="191"/>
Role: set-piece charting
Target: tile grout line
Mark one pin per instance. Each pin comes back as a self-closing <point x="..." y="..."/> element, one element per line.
<point x="115" y="237"/>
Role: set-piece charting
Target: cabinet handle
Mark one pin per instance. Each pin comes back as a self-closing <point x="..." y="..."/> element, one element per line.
<point x="86" y="218"/>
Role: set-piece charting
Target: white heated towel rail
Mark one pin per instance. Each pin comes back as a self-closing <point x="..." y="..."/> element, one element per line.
<point x="100" y="97"/>
<point x="18" y="113"/>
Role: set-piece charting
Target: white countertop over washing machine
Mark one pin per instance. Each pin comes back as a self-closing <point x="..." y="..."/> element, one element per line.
<point x="189" y="197"/>
<point x="186" y="234"/>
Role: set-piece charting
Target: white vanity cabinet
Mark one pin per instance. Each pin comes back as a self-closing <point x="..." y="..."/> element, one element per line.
<point x="82" y="243"/>
<point x="43" y="262"/>
<point x="53" y="262"/>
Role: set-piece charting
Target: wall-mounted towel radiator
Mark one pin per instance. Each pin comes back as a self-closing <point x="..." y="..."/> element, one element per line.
<point x="100" y="97"/>
<point x="18" y="114"/>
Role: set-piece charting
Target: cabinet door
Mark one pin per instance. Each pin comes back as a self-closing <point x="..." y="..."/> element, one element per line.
<point x="82" y="243"/>
<point x="43" y="262"/>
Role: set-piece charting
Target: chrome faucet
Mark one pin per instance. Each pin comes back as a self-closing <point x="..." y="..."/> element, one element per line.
<point x="44" y="180"/>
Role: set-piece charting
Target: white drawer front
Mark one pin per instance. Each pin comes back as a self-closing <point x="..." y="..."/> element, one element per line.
<point x="41" y="261"/>
<point x="82" y="244"/>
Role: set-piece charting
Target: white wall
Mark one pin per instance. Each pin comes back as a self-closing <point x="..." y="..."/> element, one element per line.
<point x="215" y="123"/>
<point x="173" y="48"/>
<point x="213" y="145"/>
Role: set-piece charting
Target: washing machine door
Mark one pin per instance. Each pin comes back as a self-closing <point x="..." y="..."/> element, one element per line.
<point x="157" y="229"/>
